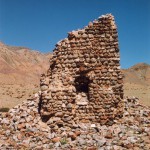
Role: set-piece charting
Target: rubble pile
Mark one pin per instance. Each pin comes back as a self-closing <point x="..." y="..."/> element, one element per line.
<point x="22" y="128"/>
<point x="81" y="104"/>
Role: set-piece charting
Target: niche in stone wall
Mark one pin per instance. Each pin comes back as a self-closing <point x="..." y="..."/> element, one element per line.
<point x="82" y="88"/>
<point x="52" y="65"/>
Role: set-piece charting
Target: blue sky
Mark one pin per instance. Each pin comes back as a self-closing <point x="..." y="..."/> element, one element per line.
<point x="40" y="24"/>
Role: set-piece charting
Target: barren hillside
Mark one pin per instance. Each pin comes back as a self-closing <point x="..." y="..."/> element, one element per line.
<point x="21" y="65"/>
<point x="20" y="70"/>
<point x="137" y="82"/>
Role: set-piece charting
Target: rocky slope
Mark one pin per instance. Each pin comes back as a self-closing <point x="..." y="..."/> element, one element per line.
<point x="138" y="74"/>
<point x="20" y="70"/>
<point x="21" y="65"/>
<point x="137" y="82"/>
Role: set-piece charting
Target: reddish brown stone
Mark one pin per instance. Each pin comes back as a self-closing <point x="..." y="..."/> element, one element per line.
<point x="92" y="148"/>
<point x="21" y="126"/>
<point x="77" y="132"/>
<point x="57" y="139"/>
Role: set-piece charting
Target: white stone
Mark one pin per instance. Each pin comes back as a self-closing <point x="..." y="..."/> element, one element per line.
<point x="93" y="125"/>
<point x="82" y="103"/>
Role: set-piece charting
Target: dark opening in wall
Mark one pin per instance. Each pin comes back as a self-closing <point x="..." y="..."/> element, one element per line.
<point x="52" y="66"/>
<point x="82" y="84"/>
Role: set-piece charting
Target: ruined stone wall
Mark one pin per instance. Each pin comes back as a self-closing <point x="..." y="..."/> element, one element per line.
<point x="84" y="82"/>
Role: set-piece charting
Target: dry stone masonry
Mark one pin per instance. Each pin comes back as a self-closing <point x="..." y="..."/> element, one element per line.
<point x="81" y="104"/>
<point x="84" y="82"/>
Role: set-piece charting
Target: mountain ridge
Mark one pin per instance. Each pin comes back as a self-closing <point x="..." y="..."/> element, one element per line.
<point x="138" y="74"/>
<point x="22" y="61"/>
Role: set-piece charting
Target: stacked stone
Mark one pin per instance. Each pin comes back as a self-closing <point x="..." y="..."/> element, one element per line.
<point x="84" y="82"/>
<point x="22" y="128"/>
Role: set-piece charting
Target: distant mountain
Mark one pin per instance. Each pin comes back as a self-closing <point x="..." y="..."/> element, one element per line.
<point x="21" y="65"/>
<point x="138" y="74"/>
<point x="137" y="82"/>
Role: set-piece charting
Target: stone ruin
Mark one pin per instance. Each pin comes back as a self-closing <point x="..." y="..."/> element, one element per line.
<point x="81" y="104"/>
<point x="84" y="82"/>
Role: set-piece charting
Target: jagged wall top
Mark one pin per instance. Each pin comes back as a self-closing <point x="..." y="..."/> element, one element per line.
<point x="77" y="33"/>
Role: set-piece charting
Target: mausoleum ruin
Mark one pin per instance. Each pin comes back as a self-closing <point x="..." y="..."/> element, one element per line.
<point x="84" y="82"/>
